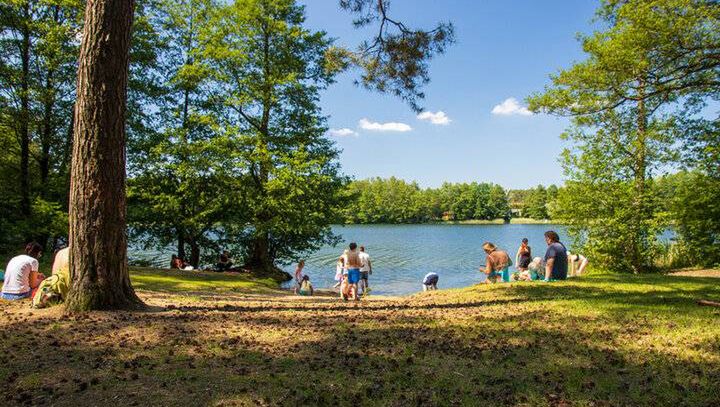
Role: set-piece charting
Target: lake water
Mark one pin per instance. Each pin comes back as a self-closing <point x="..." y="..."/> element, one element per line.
<point x="403" y="254"/>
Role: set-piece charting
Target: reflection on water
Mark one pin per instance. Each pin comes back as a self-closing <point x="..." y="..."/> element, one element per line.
<point x="403" y="254"/>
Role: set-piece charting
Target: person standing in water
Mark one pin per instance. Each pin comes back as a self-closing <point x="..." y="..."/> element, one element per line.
<point x="352" y="264"/>
<point x="365" y="269"/>
<point x="523" y="257"/>
<point x="299" y="273"/>
<point x="497" y="264"/>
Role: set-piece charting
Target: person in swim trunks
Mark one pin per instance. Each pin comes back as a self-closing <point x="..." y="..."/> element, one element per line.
<point x="353" y="263"/>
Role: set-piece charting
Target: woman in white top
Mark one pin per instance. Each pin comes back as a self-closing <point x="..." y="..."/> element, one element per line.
<point x="22" y="274"/>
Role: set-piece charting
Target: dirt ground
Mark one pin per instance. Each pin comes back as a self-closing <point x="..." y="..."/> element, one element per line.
<point x="715" y="273"/>
<point x="596" y="341"/>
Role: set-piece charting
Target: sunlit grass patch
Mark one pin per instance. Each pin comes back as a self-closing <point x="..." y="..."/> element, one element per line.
<point x="166" y="280"/>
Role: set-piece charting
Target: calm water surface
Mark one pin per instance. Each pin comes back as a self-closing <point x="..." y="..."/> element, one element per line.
<point x="403" y="254"/>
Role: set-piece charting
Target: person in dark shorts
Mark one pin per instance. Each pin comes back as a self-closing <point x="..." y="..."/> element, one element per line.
<point x="555" y="257"/>
<point x="523" y="256"/>
<point x="430" y="281"/>
<point x="365" y="270"/>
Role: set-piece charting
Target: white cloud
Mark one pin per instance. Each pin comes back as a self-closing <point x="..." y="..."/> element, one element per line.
<point x="366" y="124"/>
<point x="344" y="132"/>
<point x="511" y="107"/>
<point x="435" y="118"/>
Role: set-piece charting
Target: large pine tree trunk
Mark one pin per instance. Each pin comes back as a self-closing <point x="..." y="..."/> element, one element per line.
<point x="98" y="240"/>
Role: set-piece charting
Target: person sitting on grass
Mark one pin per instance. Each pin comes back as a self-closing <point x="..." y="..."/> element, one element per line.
<point x="53" y="290"/>
<point x="523" y="257"/>
<point x="534" y="271"/>
<point x="497" y="264"/>
<point x="555" y="257"/>
<point x="224" y="264"/>
<point x="22" y="274"/>
<point x="305" y="287"/>
<point x="430" y="281"/>
<point x="175" y="262"/>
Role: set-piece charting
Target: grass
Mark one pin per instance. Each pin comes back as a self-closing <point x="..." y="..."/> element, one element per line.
<point x="598" y="340"/>
<point x="178" y="281"/>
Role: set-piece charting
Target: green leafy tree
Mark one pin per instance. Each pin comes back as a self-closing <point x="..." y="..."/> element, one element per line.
<point x="394" y="60"/>
<point x="536" y="204"/>
<point x="179" y="191"/>
<point x="624" y="100"/>
<point x="266" y="74"/>
<point x="37" y="77"/>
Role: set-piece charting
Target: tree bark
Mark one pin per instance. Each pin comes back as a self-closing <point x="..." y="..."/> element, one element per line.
<point x="194" y="253"/>
<point x="48" y="130"/>
<point x="260" y="255"/>
<point x="98" y="239"/>
<point x="181" y="241"/>
<point x="46" y="135"/>
<point x="25" y="115"/>
<point x="637" y="259"/>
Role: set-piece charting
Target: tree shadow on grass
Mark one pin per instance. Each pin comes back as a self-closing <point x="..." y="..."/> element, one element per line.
<point x="517" y="344"/>
<point x="476" y="353"/>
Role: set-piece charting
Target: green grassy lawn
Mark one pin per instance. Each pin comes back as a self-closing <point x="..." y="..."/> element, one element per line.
<point x="179" y="281"/>
<point x="598" y="340"/>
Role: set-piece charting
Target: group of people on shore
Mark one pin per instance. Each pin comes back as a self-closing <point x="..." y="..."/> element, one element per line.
<point x="557" y="264"/>
<point x="554" y="266"/>
<point x="22" y="277"/>
<point x="354" y="267"/>
<point x="224" y="263"/>
<point x="352" y="272"/>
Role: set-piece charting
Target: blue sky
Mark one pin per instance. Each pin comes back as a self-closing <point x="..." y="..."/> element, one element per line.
<point x="505" y="49"/>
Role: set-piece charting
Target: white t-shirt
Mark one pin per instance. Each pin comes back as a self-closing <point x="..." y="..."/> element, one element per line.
<point x="17" y="274"/>
<point x="364" y="262"/>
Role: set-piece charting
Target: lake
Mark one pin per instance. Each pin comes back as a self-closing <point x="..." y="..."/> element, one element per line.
<point x="403" y="254"/>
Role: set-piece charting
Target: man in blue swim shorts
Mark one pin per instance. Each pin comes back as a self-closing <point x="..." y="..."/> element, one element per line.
<point x="353" y="264"/>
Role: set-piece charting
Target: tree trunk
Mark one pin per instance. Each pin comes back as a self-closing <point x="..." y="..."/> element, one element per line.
<point x="25" y="116"/>
<point x="638" y="246"/>
<point x="48" y="130"/>
<point x="194" y="253"/>
<point x="98" y="240"/>
<point x="181" y="242"/>
<point x="260" y="258"/>
<point x="46" y="136"/>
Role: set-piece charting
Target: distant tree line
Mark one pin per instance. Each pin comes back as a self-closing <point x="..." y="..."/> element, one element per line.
<point x="393" y="200"/>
